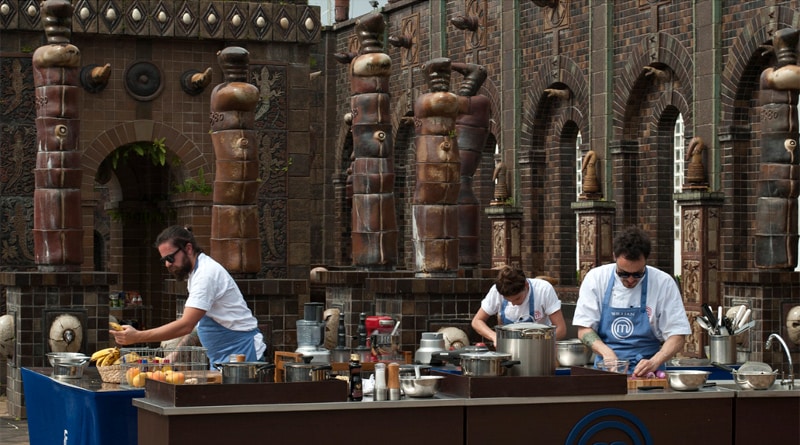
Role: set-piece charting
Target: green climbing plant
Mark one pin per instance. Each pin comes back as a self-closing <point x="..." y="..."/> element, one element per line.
<point x="198" y="185"/>
<point x="156" y="151"/>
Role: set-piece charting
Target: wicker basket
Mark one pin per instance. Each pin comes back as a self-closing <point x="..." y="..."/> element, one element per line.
<point x="110" y="374"/>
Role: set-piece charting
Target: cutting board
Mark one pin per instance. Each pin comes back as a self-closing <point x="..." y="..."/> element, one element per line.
<point x="635" y="383"/>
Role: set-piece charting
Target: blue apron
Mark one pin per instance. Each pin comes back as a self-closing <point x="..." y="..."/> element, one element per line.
<point x="627" y="330"/>
<point x="529" y="318"/>
<point x="221" y="342"/>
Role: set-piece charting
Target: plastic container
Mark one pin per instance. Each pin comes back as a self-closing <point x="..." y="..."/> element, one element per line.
<point x="181" y="365"/>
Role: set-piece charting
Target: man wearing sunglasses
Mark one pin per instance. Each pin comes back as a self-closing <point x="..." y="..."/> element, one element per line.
<point x="629" y="311"/>
<point x="225" y="325"/>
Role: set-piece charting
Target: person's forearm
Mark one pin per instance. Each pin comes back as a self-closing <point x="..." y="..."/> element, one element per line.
<point x="671" y="346"/>
<point x="484" y="330"/>
<point x="591" y="339"/>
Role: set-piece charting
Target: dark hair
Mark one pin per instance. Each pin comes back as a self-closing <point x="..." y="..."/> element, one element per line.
<point x="632" y="244"/>
<point x="179" y="236"/>
<point x="510" y="281"/>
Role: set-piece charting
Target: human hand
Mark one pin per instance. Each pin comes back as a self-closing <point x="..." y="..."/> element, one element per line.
<point x="125" y="336"/>
<point x="645" y="367"/>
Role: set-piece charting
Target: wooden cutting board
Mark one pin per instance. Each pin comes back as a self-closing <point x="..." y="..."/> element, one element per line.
<point x="635" y="383"/>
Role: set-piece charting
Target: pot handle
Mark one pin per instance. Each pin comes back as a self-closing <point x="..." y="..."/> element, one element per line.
<point x="218" y="366"/>
<point x="725" y="367"/>
<point x="510" y="363"/>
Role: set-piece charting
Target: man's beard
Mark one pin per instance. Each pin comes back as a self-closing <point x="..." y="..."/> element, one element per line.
<point x="183" y="273"/>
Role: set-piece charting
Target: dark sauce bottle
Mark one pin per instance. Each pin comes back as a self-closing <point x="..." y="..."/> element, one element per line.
<point x="356" y="387"/>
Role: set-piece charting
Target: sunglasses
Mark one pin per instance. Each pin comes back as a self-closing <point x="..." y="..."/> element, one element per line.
<point x="636" y="275"/>
<point x="171" y="257"/>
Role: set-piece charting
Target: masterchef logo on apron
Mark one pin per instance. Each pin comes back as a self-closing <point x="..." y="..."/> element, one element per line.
<point x="622" y="327"/>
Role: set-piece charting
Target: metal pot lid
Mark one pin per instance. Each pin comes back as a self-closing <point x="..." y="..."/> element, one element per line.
<point x="524" y="327"/>
<point x="244" y="364"/>
<point x="487" y="355"/>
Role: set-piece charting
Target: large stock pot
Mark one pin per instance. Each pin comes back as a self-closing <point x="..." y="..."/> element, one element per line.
<point x="532" y="344"/>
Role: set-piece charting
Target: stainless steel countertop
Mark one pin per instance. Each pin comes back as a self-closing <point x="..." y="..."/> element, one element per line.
<point x="440" y="400"/>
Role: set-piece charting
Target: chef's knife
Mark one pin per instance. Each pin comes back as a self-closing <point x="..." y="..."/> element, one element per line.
<point x="709" y="313"/>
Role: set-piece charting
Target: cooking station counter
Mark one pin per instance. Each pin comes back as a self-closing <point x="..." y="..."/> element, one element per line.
<point x="459" y="420"/>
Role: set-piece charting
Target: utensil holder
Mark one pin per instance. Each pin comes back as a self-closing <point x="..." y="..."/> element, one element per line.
<point x="722" y="349"/>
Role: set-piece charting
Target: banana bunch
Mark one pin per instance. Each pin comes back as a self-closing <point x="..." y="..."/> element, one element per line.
<point x="106" y="357"/>
<point x="114" y="326"/>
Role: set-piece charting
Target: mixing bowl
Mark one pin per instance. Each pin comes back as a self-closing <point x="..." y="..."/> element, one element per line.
<point x="422" y="386"/>
<point x="687" y="380"/>
<point x="620" y="366"/>
<point x="51" y="356"/>
<point x="572" y="352"/>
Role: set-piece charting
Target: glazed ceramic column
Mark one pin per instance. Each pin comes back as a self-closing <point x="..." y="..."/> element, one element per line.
<point x="235" y="242"/>
<point x="472" y="130"/>
<point x="57" y="228"/>
<point x="779" y="177"/>
<point x="435" y="202"/>
<point x="374" y="225"/>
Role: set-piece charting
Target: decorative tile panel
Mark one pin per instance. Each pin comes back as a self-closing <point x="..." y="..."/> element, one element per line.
<point x="187" y="19"/>
<point x="8" y="15"/>
<point x="236" y="22"/>
<point x="85" y="16"/>
<point x="163" y="20"/>
<point x="212" y="20"/>
<point x="261" y="21"/>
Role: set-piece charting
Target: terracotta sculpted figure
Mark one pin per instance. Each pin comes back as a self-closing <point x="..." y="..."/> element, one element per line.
<point x="472" y="130"/>
<point x="696" y="172"/>
<point x="590" y="183"/>
<point x="235" y="241"/>
<point x="435" y="202"/>
<point x="776" y="208"/>
<point x="57" y="225"/>
<point x="374" y="225"/>
<point x="500" y="180"/>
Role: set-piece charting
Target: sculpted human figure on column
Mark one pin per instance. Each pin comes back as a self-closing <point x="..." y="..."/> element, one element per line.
<point x="374" y="226"/>
<point x="472" y="131"/>
<point x="776" y="207"/>
<point x="438" y="171"/>
<point x="235" y="240"/>
<point x="57" y="225"/>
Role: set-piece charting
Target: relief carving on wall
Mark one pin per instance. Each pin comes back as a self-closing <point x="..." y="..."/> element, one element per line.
<point x="498" y="239"/>
<point x="691" y="281"/>
<point x="691" y="229"/>
<point x="274" y="162"/>
<point x="694" y="341"/>
<point x="587" y="235"/>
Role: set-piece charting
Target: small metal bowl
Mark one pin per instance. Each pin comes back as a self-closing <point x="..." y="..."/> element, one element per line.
<point x="69" y="367"/>
<point x="51" y="356"/>
<point x="687" y="380"/>
<point x="424" y="386"/>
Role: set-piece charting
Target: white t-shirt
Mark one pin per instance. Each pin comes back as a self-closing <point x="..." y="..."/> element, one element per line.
<point x="545" y="300"/>
<point x="212" y="289"/>
<point x="664" y="304"/>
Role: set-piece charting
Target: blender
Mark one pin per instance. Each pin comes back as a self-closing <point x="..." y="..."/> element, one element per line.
<point x="311" y="334"/>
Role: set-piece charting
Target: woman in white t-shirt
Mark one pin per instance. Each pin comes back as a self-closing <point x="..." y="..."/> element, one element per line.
<point x="517" y="299"/>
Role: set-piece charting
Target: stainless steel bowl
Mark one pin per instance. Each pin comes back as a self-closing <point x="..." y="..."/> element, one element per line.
<point x="69" y="367"/>
<point x="758" y="380"/>
<point x="572" y="352"/>
<point x="687" y="380"/>
<point x="51" y="356"/>
<point x="424" y="386"/>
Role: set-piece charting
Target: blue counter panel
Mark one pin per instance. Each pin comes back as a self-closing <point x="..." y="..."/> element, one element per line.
<point x="78" y="411"/>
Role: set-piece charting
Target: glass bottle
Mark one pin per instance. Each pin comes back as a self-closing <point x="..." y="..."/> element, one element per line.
<point x="356" y="388"/>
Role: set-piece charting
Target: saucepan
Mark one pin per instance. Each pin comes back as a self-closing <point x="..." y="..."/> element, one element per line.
<point x="486" y="364"/>
<point x="246" y="372"/>
<point x="751" y="375"/>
